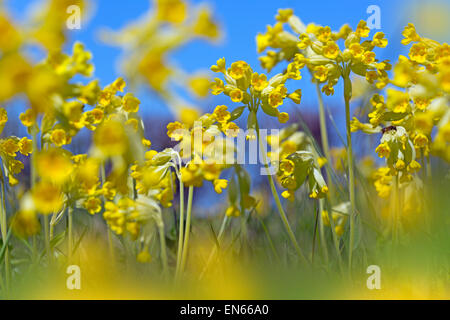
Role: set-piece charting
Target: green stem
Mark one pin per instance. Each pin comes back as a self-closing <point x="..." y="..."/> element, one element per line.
<point x="4" y="230"/>
<point x="109" y="231"/>
<point x="334" y="235"/>
<point x="395" y="213"/>
<point x="322" y="231"/>
<point x="70" y="231"/>
<point x="47" y="238"/>
<point x="277" y="199"/>
<point x="324" y="138"/>
<point x="188" y="228"/>
<point x="351" y="176"/>
<point x="181" y="229"/>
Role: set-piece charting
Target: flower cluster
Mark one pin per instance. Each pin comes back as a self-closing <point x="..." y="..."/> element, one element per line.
<point x="253" y="90"/>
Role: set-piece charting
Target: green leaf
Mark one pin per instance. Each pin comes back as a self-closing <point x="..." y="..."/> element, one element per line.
<point x="236" y="113"/>
<point x="273" y="112"/>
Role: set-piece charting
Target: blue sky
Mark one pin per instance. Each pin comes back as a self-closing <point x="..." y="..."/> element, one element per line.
<point x="241" y="20"/>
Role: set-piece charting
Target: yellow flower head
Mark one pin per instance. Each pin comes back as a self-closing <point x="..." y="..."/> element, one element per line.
<point x="200" y="85"/>
<point x="233" y="211"/>
<point x="323" y="34"/>
<point x="379" y="40"/>
<point x="221" y="113"/>
<point x="173" y="11"/>
<point x="111" y="139"/>
<point x="175" y="130"/>
<point x="383" y="150"/>
<point x="418" y="53"/>
<point x="144" y="256"/>
<point x="25" y="146"/>
<point x="238" y="69"/>
<point x="130" y="103"/>
<point x="362" y="30"/>
<point x="220" y="184"/>
<point x="259" y="82"/>
<point x="93" y="205"/>
<point x="287" y="167"/>
<point x="47" y="197"/>
<point x="53" y="165"/>
<point x="410" y="34"/>
<point x="283" y="117"/>
<point x="236" y="95"/>
<point x="59" y="137"/>
<point x="217" y="87"/>
<point x="284" y="14"/>
<point x="205" y="26"/>
<point x="296" y="96"/>
<point x="331" y="50"/>
<point x="220" y="66"/>
<point x="9" y="147"/>
<point x="277" y="96"/>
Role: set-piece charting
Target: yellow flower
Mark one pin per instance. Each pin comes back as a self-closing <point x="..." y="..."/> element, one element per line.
<point x="259" y="82"/>
<point x="28" y="118"/>
<point x="220" y="184"/>
<point x="321" y="161"/>
<point x="418" y="53"/>
<point x="221" y="113"/>
<point x="410" y="34"/>
<point x="321" y="73"/>
<point x="9" y="147"/>
<point x="284" y="15"/>
<point x="93" y="205"/>
<point x="119" y="84"/>
<point x="59" y="137"/>
<point x="53" y="165"/>
<point x="25" y="223"/>
<point x="277" y="95"/>
<point x="217" y="86"/>
<point x="368" y="57"/>
<point x="200" y="85"/>
<point x="420" y="140"/>
<point x="175" y="130"/>
<point x="283" y="117"/>
<point x="236" y="95"/>
<point x="238" y="69"/>
<point x="287" y="167"/>
<point x="383" y="150"/>
<point x="379" y="40"/>
<point x="296" y="96"/>
<point x="111" y="139"/>
<point x="232" y="211"/>
<point x="331" y="50"/>
<point x="288" y="194"/>
<point x="25" y="146"/>
<point x="130" y="103"/>
<point x="173" y="11"/>
<point x="144" y="256"/>
<point x="47" y="197"/>
<point x="188" y="116"/>
<point x="339" y="230"/>
<point x="362" y="30"/>
<point x="220" y="66"/>
<point x="230" y="129"/>
<point x="3" y="117"/>
<point x="400" y="164"/>
<point x="323" y="34"/>
<point x="356" y="50"/>
<point x="205" y="25"/>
